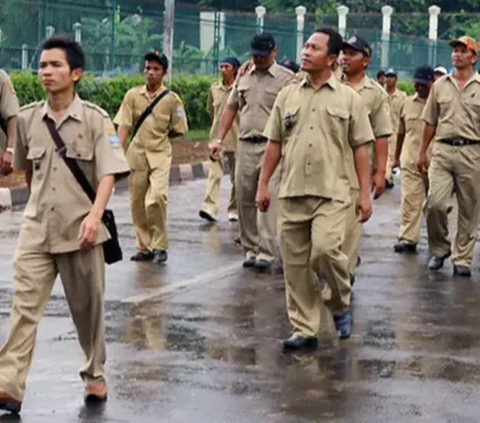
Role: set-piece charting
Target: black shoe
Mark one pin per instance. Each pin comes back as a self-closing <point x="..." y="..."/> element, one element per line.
<point x="388" y="184"/>
<point x="462" y="271"/>
<point x="298" y="342"/>
<point x="237" y="240"/>
<point x="343" y="324"/>
<point x="142" y="256"/>
<point x="262" y="264"/>
<point x="403" y="246"/>
<point x="250" y="262"/>
<point x="359" y="261"/>
<point x="352" y="280"/>
<point x="436" y="263"/>
<point x="207" y="216"/>
<point x="160" y="256"/>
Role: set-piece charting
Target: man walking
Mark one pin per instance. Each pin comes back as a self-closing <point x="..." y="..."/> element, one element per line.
<point x="396" y="98"/>
<point x="216" y="103"/>
<point x="317" y="129"/>
<point x="151" y="114"/>
<point x="357" y="55"/>
<point x="8" y="122"/>
<point x="452" y="117"/>
<point x="414" y="184"/>
<point x="252" y="99"/>
<point x="62" y="230"/>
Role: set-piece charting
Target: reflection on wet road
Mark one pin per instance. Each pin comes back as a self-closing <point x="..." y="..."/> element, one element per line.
<point x="198" y="340"/>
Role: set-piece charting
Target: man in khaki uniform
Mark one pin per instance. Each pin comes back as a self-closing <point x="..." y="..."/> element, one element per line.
<point x="414" y="184"/>
<point x="317" y="129"/>
<point x="396" y="98"/>
<point x="252" y="98"/>
<point x="62" y="231"/>
<point x="216" y="103"/>
<point x="149" y="156"/>
<point x="357" y="55"/>
<point x="452" y="117"/>
<point x="8" y="122"/>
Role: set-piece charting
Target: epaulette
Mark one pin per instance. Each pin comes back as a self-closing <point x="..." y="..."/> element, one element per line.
<point x="32" y="105"/>
<point x="96" y="108"/>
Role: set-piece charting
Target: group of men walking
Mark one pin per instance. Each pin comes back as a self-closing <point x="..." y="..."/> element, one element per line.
<point x="305" y="151"/>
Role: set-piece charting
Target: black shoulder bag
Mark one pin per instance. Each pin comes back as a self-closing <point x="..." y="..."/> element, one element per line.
<point x="147" y="112"/>
<point x="111" y="248"/>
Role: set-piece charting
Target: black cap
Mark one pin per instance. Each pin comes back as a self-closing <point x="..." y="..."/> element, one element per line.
<point x="290" y="64"/>
<point x="423" y="75"/>
<point x="262" y="45"/>
<point x="155" y="56"/>
<point x="380" y="73"/>
<point x="358" y="44"/>
<point x="391" y="72"/>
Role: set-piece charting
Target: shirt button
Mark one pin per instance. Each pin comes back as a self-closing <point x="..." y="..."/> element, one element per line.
<point x="54" y="168"/>
<point x="52" y="209"/>
<point x="309" y="145"/>
<point x="313" y="110"/>
<point x="311" y="127"/>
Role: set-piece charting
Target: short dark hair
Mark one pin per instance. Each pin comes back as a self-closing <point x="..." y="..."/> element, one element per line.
<point x="73" y="51"/>
<point x="160" y="58"/>
<point x="380" y="73"/>
<point x="335" y="40"/>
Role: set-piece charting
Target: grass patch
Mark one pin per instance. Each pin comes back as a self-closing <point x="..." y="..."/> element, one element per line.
<point x="196" y="135"/>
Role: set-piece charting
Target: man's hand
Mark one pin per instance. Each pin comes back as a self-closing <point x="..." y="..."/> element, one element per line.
<point x="242" y="70"/>
<point x="422" y="163"/>
<point x="363" y="207"/>
<point x="89" y="229"/>
<point x="262" y="200"/>
<point x="215" y="149"/>
<point x="6" y="163"/>
<point x="378" y="183"/>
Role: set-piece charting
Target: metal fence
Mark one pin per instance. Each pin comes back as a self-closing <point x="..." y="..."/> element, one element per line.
<point x="115" y="35"/>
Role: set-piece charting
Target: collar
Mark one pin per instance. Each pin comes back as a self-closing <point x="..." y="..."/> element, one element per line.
<point x="417" y="98"/>
<point x="222" y="87"/>
<point x="75" y="110"/>
<point x="143" y="91"/>
<point x="272" y="70"/>
<point x="474" y="78"/>
<point x="332" y="82"/>
<point x="365" y="83"/>
<point x="395" y="93"/>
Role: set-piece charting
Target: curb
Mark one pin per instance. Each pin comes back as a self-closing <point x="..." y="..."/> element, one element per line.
<point x="11" y="197"/>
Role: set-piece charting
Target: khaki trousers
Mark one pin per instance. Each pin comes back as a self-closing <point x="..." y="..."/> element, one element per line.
<point x="258" y="231"/>
<point x="211" y="202"/>
<point x="83" y="279"/>
<point x="414" y="189"/>
<point x="454" y="170"/>
<point x="311" y="232"/>
<point x="353" y="233"/>
<point x="148" y="203"/>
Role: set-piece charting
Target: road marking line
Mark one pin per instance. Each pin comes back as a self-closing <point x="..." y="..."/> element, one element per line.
<point x="219" y="273"/>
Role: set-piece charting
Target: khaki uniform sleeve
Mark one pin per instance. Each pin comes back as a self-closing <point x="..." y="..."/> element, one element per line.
<point x="124" y="115"/>
<point x="210" y="102"/>
<point x="109" y="155"/>
<point x="234" y="99"/>
<point x="273" y="130"/>
<point x="380" y="118"/>
<point x="401" y="122"/>
<point x="360" y="131"/>
<point x="430" y="112"/>
<point x="8" y="98"/>
<point x="178" y="119"/>
<point x="20" y="150"/>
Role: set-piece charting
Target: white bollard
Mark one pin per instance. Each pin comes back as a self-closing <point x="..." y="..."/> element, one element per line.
<point x="300" y="11"/>
<point x="342" y="20"/>
<point x="260" y="11"/>
<point x="387" y="12"/>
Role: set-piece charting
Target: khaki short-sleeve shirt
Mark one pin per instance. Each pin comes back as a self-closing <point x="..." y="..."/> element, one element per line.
<point x="254" y="94"/>
<point x="57" y="204"/>
<point x="8" y="105"/>
<point x="318" y="130"/>
<point x="411" y="124"/>
<point x="216" y="103"/>
<point x="455" y="113"/>
<point x="375" y="99"/>
<point x="167" y="120"/>
<point x="396" y="101"/>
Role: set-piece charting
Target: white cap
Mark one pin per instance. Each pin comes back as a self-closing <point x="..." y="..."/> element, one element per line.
<point x="440" y="69"/>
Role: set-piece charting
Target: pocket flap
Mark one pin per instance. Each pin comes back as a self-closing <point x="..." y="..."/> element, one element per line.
<point x="80" y="153"/>
<point x="336" y="111"/>
<point x="35" y="153"/>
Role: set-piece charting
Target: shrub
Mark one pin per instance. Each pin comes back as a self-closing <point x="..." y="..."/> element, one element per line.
<point x="108" y="93"/>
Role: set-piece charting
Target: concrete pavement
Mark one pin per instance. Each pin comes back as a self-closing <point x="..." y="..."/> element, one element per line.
<point x="199" y="339"/>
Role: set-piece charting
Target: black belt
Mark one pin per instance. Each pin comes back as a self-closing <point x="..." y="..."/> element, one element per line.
<point x="255" y="140"/>
<point x="458" y="142"/>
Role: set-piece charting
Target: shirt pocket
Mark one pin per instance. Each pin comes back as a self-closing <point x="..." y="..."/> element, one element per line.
<point x="84" y="155"/>
<point x="338" y="122"/>
<point x="270" y="97"/>
<point x="37" y="156"/>
<point x="290" y="120"/>
<point x="243" y="96"/>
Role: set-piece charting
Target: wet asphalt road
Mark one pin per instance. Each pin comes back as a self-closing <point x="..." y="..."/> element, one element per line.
<point x="198" y="340"/>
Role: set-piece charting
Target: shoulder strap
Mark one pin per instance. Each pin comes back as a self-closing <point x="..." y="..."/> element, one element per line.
<point x="147" y="112"/>
<point x="71" y="163"/>
<point x="3" y="125"/>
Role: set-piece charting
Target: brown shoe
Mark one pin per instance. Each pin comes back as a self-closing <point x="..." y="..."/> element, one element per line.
<point x="9" y="403"/>
<point x="95" y="392"/>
